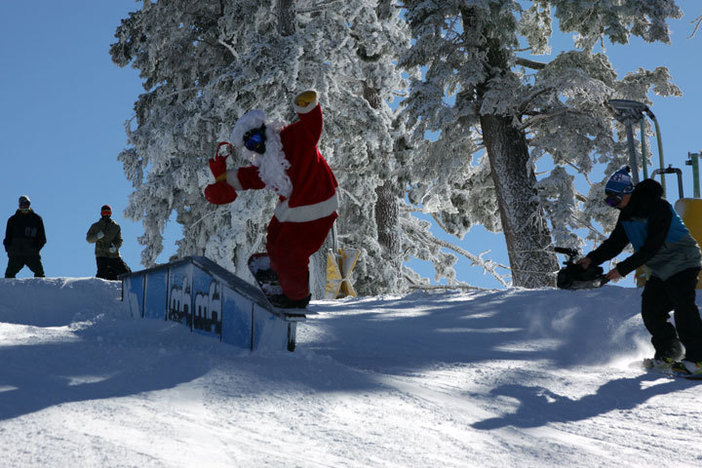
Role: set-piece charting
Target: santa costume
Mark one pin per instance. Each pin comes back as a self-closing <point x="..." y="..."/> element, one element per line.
<point x="286" y="160"/>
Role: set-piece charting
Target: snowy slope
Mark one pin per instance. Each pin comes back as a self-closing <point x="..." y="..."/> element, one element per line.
<point x="508" y="378"/>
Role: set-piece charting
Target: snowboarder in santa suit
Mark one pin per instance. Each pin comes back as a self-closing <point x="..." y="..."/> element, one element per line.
<point x="285" y="159"/>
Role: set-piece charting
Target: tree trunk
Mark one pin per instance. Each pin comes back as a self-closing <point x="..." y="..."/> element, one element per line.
<point x="387" y="218"/>
<point x="387" y="208"/>
<point x="531" y="257"/>
<point x="286" y="17"/>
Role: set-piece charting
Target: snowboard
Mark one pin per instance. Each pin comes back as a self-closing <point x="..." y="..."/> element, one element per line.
<point x="267" y="279"/>
<point x="651" y="365"/>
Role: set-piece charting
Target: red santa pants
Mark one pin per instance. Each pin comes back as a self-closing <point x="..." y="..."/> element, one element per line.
<point x="290" y="246"/>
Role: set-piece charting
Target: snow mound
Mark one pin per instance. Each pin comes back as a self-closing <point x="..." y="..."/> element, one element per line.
<point x="47" y="302"/>
<point x="491" y="379"/>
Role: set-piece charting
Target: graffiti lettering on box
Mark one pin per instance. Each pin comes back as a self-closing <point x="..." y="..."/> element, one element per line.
<point x="199" y="310"/>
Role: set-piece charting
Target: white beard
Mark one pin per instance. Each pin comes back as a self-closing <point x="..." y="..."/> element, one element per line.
<point x="273" y="165"/>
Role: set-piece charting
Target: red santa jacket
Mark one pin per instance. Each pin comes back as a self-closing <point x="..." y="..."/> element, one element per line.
<point x="314" y="186"/>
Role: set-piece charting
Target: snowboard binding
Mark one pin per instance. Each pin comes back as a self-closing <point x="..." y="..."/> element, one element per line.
<point x="572" y="276"/>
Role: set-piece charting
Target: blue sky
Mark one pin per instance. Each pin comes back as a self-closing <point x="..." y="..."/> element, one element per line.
<point x="64" y="104"/>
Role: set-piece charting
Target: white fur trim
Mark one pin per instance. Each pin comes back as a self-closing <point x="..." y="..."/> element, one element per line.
<point x="310" y="106"/>
<point x="252" y="119"/>
<point x="273" y="165"/>
<point x="233" y="179"/>
<point x="305" y="213"/>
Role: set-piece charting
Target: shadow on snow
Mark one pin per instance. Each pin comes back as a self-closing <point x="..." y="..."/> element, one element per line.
<point x="538" y="406"/>
<point x="344" y="348"/>
<point x="411" y="333"/>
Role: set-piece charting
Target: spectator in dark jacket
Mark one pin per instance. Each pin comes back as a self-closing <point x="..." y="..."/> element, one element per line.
<point x="24" y="238"/>
<point x="107" y="237"/>
<point x="663" y="243"/>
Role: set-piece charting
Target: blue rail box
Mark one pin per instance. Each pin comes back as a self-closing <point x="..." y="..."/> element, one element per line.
<point x="210" y="300"/>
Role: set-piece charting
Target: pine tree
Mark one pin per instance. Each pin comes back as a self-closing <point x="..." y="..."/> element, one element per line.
<point x="479" y="96"/>
<point x="206" y="63"/>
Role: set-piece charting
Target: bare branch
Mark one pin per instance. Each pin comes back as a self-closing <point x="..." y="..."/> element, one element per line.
<point x="697" y="22"/>
<point x="534" y="65"/>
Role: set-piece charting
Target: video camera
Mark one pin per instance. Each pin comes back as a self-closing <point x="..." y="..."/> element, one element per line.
<point x="573" y="276"/>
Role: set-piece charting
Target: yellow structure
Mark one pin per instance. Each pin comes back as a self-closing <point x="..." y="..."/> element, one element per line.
<point x="690" y="210"/>
<point x="339" y="268"/>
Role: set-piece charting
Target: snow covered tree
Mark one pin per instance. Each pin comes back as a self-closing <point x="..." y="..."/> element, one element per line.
<point x="491" y="112"/>
<point x="206" y="63"/>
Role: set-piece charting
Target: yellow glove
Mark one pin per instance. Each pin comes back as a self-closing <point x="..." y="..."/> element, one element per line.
<point x="305" y="98"/>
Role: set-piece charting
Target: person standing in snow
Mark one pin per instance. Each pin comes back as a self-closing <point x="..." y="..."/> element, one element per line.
<point x="286" y="160"/>
<point x="24" y="239"/>
<point x="106" y="234"/>
<point x="663" y="243"/>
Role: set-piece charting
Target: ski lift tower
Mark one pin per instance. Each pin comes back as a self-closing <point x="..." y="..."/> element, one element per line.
<point x="629" y="113"/>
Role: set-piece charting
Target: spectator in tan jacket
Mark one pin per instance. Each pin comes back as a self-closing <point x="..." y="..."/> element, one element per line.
<point x="107" y="237"/>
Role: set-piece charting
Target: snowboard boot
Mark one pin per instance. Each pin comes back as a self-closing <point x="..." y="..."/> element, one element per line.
<point x="663" y="364"/>
<point x="672" y="352"/>
<point x="688" y="368"/>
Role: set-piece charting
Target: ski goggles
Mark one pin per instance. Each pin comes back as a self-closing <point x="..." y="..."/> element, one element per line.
<point x="613" y="199"/>
<point x="253" y="141"/>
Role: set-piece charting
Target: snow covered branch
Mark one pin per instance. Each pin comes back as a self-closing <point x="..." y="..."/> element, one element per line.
<point x="319" y="6"/>
<point x="230" y="48"/>
<point x="541" y="118"/>
<point x="524" y="105"/>
<point x="488" y="265"/>
<point x="441" y="287"/>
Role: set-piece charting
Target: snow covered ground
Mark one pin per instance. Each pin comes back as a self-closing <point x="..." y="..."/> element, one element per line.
<point x="494" y="379"/>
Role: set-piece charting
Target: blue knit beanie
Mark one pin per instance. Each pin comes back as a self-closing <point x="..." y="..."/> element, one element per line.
<point x="620" y="182"/>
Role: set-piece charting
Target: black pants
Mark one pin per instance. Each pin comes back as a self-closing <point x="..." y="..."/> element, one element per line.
<point x="677" y="293"/>
<point x="17" y="262"/>
<point x="110" y="268"/>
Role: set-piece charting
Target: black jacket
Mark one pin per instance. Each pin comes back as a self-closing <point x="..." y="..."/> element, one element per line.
<point x="24" y="234"/>
<point x="660" y="239"/>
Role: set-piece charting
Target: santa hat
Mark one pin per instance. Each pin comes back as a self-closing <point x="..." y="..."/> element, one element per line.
<point x="252" y="119"/>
